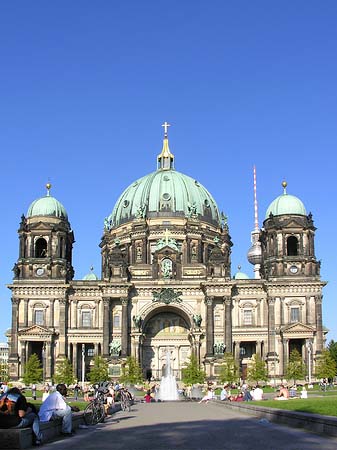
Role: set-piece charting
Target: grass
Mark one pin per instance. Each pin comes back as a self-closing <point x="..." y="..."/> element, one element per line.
<point x="319" y="405"/>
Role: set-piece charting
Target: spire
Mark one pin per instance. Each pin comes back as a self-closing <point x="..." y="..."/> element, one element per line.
<point x="256" y="225"/>
<point x="166" y="158"/>
<point x="255" y="252"/>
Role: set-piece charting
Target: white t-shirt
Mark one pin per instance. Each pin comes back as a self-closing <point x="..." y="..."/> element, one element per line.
<point x="52" y="403"/>
<point x="257" y="394"/>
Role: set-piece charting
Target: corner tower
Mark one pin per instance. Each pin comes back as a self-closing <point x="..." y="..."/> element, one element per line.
<point x="287" y="238"/>
<point x="46" y="241"/>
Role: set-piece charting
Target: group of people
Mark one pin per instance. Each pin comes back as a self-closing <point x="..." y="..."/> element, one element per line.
<point x="246" y="394"/>
<point x="16" y="412"/>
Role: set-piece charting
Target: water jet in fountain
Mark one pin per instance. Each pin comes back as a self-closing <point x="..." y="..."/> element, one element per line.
<point x="168" y="385"/>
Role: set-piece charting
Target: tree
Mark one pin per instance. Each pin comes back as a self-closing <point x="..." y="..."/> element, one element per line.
<point x="99" y="371"/>
<point x="131" y="372"/>
<point x="33" y="372"/>
<point x="229" y="371"/>
<point x="296" y="369"/>
<point x="4" y="372"/>
<point x="193" y="374"/>
<point x="64" y="372"/>
<point x="332" y="347"/>
<point x="257" y="370"/>
<point x="325" y="365"/>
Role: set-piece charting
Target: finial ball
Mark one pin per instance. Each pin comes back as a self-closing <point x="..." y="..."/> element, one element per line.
<point x="284" y="184"/>
<point x="48" y="186"/>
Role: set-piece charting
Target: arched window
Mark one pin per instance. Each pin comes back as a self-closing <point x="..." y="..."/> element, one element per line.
<point x="292" y="246"/>
<point x="40" y="248"/>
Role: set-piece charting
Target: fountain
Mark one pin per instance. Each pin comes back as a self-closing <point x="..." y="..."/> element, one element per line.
<point x="168" y="385"/>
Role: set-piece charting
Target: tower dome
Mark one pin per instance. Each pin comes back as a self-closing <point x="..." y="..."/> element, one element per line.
<point x="47" y="206"/>
<point x="91" y="276"/>
<point x="240" y="275"/>
<point x="286" y="204"/>
<point x="165" y="192"/>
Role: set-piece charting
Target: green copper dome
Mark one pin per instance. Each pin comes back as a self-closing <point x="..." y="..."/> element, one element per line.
<point x="240" y="275"/>
<point x="167" y="193"/>
<point x="91" y="276"/>
<point x="47" y="206"/>
<point x="286" y="204"/>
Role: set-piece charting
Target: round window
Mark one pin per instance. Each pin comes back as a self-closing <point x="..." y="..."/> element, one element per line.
<point x="206" y="202"/>
<point x="126" y="203"/>
<point x="166" y="196"/>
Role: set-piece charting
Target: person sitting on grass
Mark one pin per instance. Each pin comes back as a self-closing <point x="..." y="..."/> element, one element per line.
<point x="16" y="413"/>
<point x="55" y="406"/>
<point x="283" y="394"/>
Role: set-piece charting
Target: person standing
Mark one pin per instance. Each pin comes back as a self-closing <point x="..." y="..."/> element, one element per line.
<point x="76" y="391"/>
<point x="34" y="391"/>
<point x="16" y="413"/>
<point x="55" y="406"/>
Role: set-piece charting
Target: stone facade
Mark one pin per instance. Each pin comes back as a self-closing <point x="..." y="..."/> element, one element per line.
<point x="165" y="284"/>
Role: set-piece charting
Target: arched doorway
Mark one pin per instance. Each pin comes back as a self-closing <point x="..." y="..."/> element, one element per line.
<point x="165" y="330"/>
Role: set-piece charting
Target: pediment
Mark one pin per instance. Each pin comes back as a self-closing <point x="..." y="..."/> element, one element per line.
<point x="166" y="250"/>
<point x="35" y="330"/>
<point x="297" y="328"/>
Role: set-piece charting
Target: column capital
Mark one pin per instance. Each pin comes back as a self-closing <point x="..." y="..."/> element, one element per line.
<point x="209" y="300"/>
<point x="124" y="301"/>
<point x="62" y="301"/>
<point x="15" y="301"/>
<point x="106" y="301"/>
<point x="227" y="300"/>
<point x="318" y="299"/>
<point x="271" y="300"/>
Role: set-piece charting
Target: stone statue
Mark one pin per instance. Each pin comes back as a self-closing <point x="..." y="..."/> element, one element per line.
<point x="140" y="212"/>
<point x="192" y="210"/>
<point x="108" y="224"/>
<point x="115" y="348"/>
<point x="137" y="320"/>
<point x="197" y="319"/>
<point x="219" y="348"/>
<point x="16" y="271"/>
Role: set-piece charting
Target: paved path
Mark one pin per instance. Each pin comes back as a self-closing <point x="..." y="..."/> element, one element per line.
<point x="190" y="426"/>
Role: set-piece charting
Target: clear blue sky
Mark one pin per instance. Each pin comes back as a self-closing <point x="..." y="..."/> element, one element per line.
<point x="85" y="87"/>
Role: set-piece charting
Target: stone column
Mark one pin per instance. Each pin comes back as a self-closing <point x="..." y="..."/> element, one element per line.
<point x="271" y="326"/>
<point x="75" y="360"/>
<point x="25" y="312"/>
<point x="209" y="327"/>
<point x="258" y="348"/>
<point x="285" y="354"/>
<point x="106" y="326"/>
<point x="14" y="336"/>
<point x="319" y="323"/>
<point x="51" y="312"/>
<point x="48" y="360"/>
<point x="125" y="331"/>
<point x="228" y="324"/>
<point x="74" y="319"/>
<point x="307" y="309"/>
<point x="62" y="327"/>
<point x="97" y="302"/>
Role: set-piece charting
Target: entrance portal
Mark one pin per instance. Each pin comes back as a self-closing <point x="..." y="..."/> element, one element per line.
<point x="166" y="331"/>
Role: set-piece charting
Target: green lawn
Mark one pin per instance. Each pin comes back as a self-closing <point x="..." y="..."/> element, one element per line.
<point x="319" y="405"/>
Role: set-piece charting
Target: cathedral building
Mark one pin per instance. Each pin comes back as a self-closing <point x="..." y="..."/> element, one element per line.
<point x="166" y="284"/>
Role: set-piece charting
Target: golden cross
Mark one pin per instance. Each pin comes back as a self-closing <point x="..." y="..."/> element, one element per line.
<point x="165" y="125"/>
